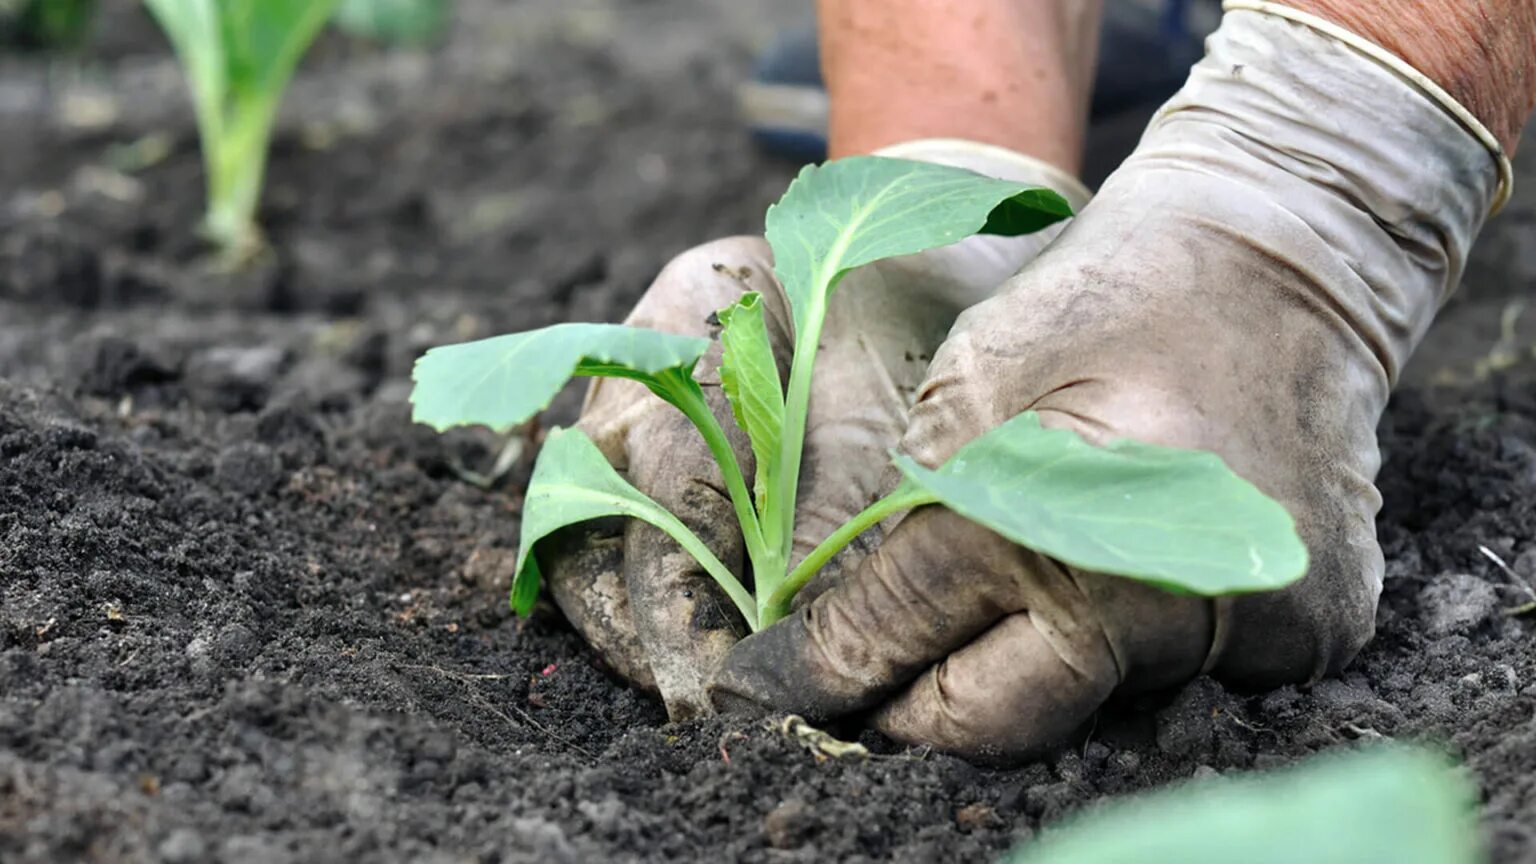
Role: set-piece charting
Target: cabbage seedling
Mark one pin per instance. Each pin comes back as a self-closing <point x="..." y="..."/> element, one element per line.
<point x="238" y="56"/>
<point x="1179" y="519"/>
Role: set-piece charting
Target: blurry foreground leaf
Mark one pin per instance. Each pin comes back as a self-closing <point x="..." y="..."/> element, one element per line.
<point x="1386" y="806"/>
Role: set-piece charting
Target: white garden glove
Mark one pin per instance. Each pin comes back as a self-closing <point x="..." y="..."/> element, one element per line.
<point x="1249" y="282"/>
<point x="632" y="591"/>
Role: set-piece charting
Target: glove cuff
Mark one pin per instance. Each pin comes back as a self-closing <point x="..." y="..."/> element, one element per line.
<point x="1404" y="70"/>
<point x="1299" y="145"/>
<point x="993" y="161"/>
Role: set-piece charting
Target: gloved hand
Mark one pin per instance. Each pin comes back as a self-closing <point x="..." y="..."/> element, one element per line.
<point x="1250" y="282"/>
<point x="647" y="606"/>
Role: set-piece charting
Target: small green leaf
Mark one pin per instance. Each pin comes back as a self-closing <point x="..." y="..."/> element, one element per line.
<point x="1178" y="519"/>
<point x="851" y="212"/>
<point x="526" y="582"/>
<point x="1389" y="805"/>
<point x="409" y="22"/>
<point x="571" y="483"/>
<point x="45" y="23"/>
<point x="502" y="381"/>
<point x="750" y="377"/>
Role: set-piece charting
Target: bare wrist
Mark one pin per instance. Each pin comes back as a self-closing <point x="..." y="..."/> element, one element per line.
<point x="1483" y="52"/>
<point x="1014" y="73"/>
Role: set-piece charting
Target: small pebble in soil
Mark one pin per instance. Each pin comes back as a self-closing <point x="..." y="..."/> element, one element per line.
<point x="789" y="825"/>
<point x="233" y="379"/>
<point x="1457" y="602"/>
<point x="248" y="468"/>
<point x="183" y="846"/>
<point x="976" y="816"/>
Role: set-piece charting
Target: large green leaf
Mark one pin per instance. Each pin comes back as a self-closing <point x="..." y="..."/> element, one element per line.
<point x="750" y="377"/>
<point x="850" y="212"/>
<point x="1391" y="806"/>
<point x="571" y="483"/>
<point x="1179" y="519"/>
<point x="502" y="381"/>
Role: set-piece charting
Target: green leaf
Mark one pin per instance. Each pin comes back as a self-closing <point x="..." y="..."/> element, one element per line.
<point x="265" y="39"/>
<point x="851" y="212"/>
<point x="854" y="211"/>
<point x="1178" y="519"/>
<point x="1392" y="806"/>
<point x="410" y="22"/>
<point x="571" y="483"/>
<point x="45" y="23"/>
<point x="750" y="377"/>
<point x="502" y="381"/>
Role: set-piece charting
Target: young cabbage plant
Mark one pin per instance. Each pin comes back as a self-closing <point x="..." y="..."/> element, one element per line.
<point x="238" y="56"/>
<point x="1178" y="519"/>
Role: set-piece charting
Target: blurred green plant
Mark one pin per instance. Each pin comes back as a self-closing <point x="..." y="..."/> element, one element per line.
<point x="45" y="23"/>
<point x="399" y="22"/>
<point x="238" y="56"/>
<point x="1388" y="805"/>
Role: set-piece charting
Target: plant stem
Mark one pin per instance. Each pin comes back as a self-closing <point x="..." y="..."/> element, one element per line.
<point x="690" y="400"/>
<point x="236" y="160"/>
<point x="780" y="520"/>
<point x="772" y="607"/>
<point x="694" y="546"/>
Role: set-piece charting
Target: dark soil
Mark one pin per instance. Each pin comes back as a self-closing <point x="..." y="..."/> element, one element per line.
<point x="249" y="613"/>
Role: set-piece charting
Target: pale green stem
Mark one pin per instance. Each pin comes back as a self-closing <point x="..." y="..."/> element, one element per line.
<point x="701" y="553"/>
<point x="690" y="400"/>
<point x="772" y="607"/>
<point x="236" y="160"/>
<point x="780" y="520"/>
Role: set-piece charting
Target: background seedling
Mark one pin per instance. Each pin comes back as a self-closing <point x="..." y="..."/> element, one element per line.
<point x="45" y="23"/>
<point x="238" y="56"/>
<point x="1177" y="519"/>
<point x="401" y="22"/>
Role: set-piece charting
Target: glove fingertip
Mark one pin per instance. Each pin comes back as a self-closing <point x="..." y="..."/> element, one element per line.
<point x="758" y="674"/>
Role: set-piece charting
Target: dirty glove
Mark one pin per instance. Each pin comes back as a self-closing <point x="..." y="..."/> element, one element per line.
<point x="646" y="605"/>
<point x="1250" y="282"/>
